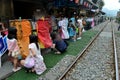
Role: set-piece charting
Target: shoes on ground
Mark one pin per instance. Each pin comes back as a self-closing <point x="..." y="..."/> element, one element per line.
<point x="15" y="70"/>
<point x="78" y="38"/>
<point x="74" y="40"/>
<point x="57" y="52"/>
<point x="83" y="30"/>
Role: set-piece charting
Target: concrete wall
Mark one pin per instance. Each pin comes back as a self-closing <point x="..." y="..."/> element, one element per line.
<point x="6" y="8"/>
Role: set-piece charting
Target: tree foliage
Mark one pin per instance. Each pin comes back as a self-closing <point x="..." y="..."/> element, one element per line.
<point x="118" y="20"/>
<point x="101" y="4"/>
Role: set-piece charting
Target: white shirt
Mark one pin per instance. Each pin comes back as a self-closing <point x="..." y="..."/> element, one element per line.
<point x="80" y="22"/>
<point x="37" y="51"/>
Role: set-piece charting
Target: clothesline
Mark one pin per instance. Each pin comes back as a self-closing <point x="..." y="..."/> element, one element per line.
<point x="20" y="20"/>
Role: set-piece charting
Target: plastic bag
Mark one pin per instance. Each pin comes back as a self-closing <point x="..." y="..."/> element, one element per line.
<point x="29" y="62"/>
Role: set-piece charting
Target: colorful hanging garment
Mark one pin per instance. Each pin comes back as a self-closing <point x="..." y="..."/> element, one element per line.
<point x="43" y="31"/>
<point x="64" y="25"/>
<point x="23" y="32"/>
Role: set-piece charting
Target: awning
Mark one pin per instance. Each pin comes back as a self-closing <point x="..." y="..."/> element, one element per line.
<point x="94" y="6"/>
<point x="103" y="13"/>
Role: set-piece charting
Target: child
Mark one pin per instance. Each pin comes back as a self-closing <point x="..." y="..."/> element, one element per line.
<point x="119" y="27"/>
<point x="80" y="26"/>
<point x="34" y="52"/>
<point x="72" y="31"/>
<point x="13" y="48"/>
<point x="59" y="45"/>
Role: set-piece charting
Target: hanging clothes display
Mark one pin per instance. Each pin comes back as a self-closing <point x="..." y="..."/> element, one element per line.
<point x="23" y="31"/>
<point x="43" y="31"/>
<point x="64" y="24"/>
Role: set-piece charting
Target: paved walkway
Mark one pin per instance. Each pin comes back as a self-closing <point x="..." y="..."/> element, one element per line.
<point x="6" y="68"/>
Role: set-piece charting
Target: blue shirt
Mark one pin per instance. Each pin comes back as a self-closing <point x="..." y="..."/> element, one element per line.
<point x="60" y="45"/>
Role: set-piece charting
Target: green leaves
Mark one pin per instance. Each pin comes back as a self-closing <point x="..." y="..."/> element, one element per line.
<point x="118" y="20"/>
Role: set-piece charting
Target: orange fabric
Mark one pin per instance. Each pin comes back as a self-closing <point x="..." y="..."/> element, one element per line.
<point x="23" y="31"/>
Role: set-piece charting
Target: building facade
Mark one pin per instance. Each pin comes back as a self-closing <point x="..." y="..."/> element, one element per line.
<point x="25" y="8"/>
<point x="6" y="8"/>
<point x="15" y="8"/>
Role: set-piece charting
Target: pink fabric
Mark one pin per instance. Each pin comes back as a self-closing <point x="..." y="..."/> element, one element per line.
<point x="93" y="23"/>
<point x="6" y="32"/>
<point x="12" y="45"/>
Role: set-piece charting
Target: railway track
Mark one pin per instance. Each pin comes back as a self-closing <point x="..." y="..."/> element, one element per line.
<point x="117" y="65"/>
<point x="98" y="61"/>
<point x="117" y="43"/>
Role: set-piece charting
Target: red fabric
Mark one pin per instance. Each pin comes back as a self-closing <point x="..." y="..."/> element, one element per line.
<point x="49" y="23"/>
<point x="44" y="33"/>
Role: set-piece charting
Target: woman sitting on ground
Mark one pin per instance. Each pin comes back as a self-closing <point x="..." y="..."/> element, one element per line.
<point x="36" y="64"/>
<point x="59" y="45"/>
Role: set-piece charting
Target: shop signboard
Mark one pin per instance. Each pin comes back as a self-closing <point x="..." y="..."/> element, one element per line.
<point x="3" y="45"/>
<point x="73" y="3"/>
<point x="86" y="4"/>
<point x="90" y="6"/>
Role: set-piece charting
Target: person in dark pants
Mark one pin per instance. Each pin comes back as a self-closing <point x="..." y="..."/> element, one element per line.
<point x="59" y="45"/>
<point x="119" y="27"/>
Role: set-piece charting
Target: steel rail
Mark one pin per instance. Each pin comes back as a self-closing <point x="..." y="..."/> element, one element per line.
<point x="81" y="54"/>
<point x="115" y="55"/>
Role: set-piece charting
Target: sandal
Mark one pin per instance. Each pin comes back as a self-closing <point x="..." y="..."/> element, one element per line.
<point x="57" y="52"/>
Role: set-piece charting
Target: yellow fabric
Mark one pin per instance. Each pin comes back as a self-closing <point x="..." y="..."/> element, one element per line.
<point x="41" y="44"/>
<point x="23" y="31"/>
<point x="43" y="18"/>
